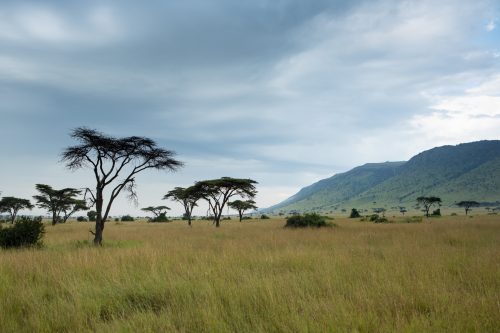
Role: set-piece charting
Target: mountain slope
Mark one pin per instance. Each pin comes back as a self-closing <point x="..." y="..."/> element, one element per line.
<point x="469" y="171"/>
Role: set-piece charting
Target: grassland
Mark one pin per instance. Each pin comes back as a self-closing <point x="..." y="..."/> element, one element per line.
<point x="256" y="276"/>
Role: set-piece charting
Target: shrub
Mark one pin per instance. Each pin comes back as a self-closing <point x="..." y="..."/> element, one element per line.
<point x="127" y="218"/>
<point x="453" y="214"/>
<point x="437" y="212"/>
<point x="374" y="217"/>
<point x="81" y="219"/>
<point x="264" y="217"/>
<point x="381" y="220"/>
<point x="26" y="231"/>
<point x="307" y="220"/>
<point x="246" y="218"/>
<point x="354" y="213"/>
<point x="161" y="218"/>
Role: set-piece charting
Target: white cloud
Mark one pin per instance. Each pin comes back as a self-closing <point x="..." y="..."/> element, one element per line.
<point x="490" y="26"/>
<point x="473" y="115"/>
<point x="43" y="24"/>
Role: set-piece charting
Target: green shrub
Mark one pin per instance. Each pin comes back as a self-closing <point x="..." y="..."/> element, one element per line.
<point x="374" y="217"/>
<point x="307" y="220"/>
<point x="437" y="212"/>
<point x="354" y="213"/>
<point x="127" y="218"/>
<point x="453" y="214"/>
<point x="264" y="217"/>
<point x="26" y="231"/>
<point x="81" y="219"/>
<point x="381" y="220"/>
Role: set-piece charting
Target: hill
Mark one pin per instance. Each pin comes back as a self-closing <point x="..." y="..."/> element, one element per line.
<point x="468" y="171"/>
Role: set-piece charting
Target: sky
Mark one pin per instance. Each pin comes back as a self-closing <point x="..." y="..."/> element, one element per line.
<point x="286" y="92"/>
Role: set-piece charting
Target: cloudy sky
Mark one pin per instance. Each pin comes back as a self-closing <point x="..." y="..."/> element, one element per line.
<point x="282" y="91"/>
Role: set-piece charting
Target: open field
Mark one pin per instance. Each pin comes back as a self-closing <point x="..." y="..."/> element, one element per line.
<point x="255" y="276"/>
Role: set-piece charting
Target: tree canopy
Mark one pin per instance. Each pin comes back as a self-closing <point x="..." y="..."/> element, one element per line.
<point x="188" y="197"/>
<point x="217" y="192"/>
<point x="241" y="206"/>
<point x="59" y="202"/>
<point x="159" y="212"/>
<point x="110" y="158"/>
<point x="467" y="205"/>
<point x="13" y="205"/>
<point x="428" y="202"/>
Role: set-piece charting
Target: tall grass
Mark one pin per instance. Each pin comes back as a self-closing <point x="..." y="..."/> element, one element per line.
<point x="257" y="276"/>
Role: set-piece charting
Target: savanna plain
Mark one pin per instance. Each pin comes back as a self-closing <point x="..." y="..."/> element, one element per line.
<point x="439" y="275"/>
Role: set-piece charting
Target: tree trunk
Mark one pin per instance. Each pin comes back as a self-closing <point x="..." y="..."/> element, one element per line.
<point x="241" y="215"/>
<point x="99" y="228"/>
<point x="54" y="218"/>
<point x="99" y="221"/>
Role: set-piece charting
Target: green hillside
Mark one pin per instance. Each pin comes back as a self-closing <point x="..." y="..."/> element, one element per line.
<point x="469" y="171"/>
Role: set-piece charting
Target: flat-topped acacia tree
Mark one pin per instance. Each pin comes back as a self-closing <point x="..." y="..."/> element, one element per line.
<point x="242" y="206"/>
<point x="217" y="192"/>
<point x="111" y="158"/>
<point x="187" y="196"/>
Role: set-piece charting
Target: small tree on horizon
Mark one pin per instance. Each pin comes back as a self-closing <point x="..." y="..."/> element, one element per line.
<point x="467" y="205"/>
<point x="159" y="212"/>
<point x="428" y="202"/>
<point x="354" y="213"/>
<point x="109" y="158"/>
<point x="241" y="206"/>
<point x="188" y="197"/>
<point x="217" y="193"/>
<point x="59" y="202"/>
<point x="13" y="205"/>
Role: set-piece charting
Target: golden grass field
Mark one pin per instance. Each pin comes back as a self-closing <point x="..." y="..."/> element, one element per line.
<point x="255" y="276"/>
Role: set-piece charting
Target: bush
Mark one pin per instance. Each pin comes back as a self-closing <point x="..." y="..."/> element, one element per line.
<point x="81" y="219"/>
<point x="246" y="218"/>
<point x="161" y="218"/>
<point x="453" y="214"/>
<point x="437" y="212"/>
<point x="307" y="220"/>
<point x="127" y="218"/>
<point x="26" y="231"/>
<point x="381" y="220"/>
<point x="374" y="217"/>
<point x="354" y="213"/>
<point x="264" y="217"/>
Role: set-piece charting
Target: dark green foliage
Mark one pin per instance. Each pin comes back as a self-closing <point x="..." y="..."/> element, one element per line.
<point x="354" y="213"/>
<point x="160" y="218"/>
<point x="127" y="218"/>
<point x="264" y="217"/>
<point x="25" y="232"/>
<point x="374" y="217"/>
<point x="381" y="220"/>
<point x="437" y="212"/>
<point x="92" y="215"/>
<point x="81" y="219"/>
<point x="307" y="220"/>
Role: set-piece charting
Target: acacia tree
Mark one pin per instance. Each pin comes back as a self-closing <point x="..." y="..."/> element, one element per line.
<point x="13" y="205"/>
<point x="217" y="192"/>
<point x="187" y="197"/>
<point x="110" y="158"/>
<point x="241" y="206"/>
<point x="428" y="202"/>
<point x="159" y="213"/>
<point x="59" y="202"/>
<point x="402" y="210"/>
<point x="467" y="205"/>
